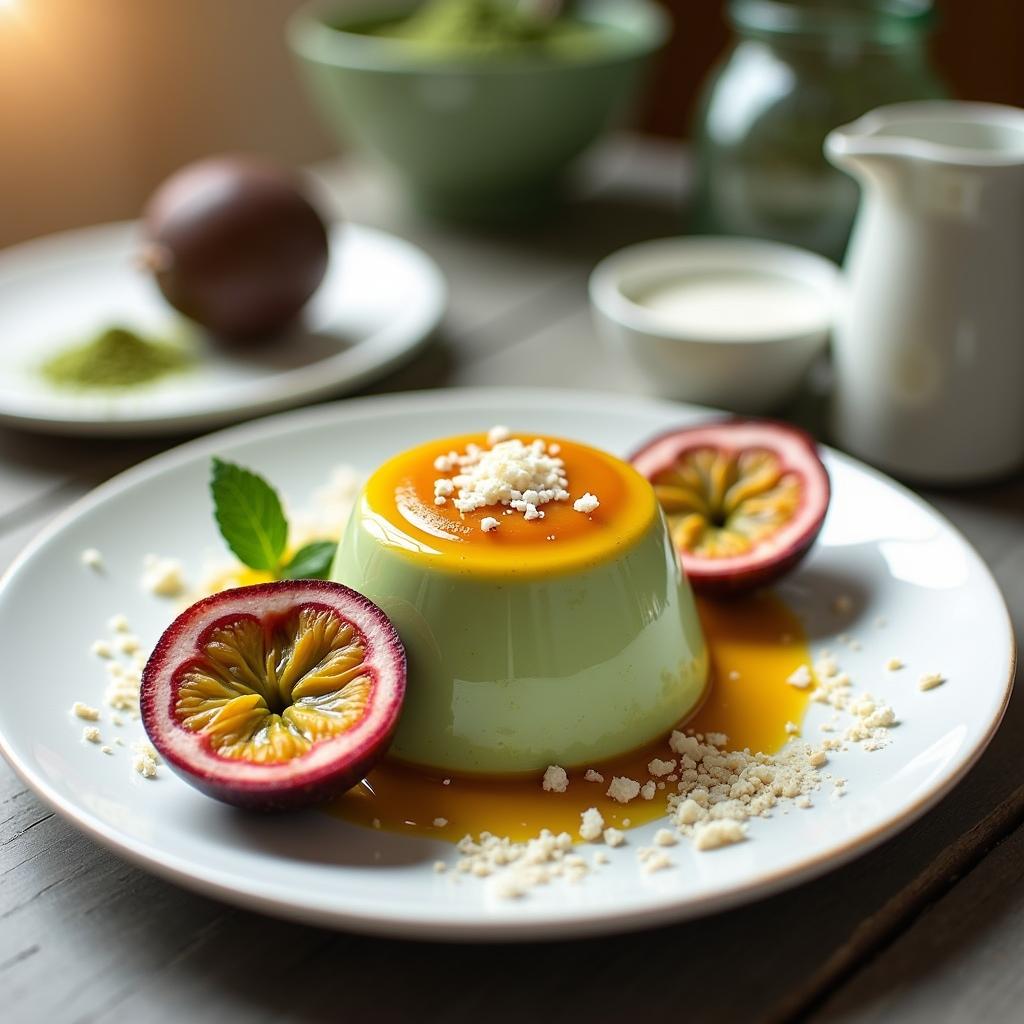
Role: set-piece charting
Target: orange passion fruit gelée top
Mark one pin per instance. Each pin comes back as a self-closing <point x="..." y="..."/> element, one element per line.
<point x="398" y="507"/>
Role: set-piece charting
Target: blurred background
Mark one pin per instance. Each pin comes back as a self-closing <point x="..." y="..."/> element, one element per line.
<point x="100" y="100"/>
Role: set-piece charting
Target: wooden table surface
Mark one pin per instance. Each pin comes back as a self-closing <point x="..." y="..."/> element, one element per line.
<point x="928" y="927"/>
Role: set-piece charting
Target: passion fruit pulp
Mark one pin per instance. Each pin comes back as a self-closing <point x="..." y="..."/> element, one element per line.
<point x="744" y="500"/>
<point x="277" y="695"/>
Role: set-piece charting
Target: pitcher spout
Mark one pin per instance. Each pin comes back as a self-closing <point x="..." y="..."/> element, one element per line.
<point x="863" y="152"/>
<point x="978" y="136"/>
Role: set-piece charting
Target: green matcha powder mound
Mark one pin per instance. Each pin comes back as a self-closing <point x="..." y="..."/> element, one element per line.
<point x="115" y="358"/>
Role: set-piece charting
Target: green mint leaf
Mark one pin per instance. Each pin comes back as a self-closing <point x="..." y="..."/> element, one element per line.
<point x="311" y="562"/>
<point x="249" y="514"/>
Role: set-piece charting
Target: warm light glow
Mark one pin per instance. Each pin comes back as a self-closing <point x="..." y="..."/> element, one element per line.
<point x="9" y="6"/>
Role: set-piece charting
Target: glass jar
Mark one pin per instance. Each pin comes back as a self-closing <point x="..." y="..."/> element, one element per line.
<point x="798" y="69"/>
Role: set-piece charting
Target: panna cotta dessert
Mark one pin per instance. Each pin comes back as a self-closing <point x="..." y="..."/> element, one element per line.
<point x="538" y="596"/>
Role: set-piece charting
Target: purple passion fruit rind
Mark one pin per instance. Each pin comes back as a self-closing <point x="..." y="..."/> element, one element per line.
<point x="275" y="696"/>
<point x="235" y="244"/>
<point x="745" y="500"/>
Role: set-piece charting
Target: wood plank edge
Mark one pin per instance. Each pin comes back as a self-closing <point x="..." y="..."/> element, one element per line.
<point x="878" y="931"/>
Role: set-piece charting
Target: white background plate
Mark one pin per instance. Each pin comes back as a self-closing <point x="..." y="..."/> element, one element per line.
<point x="380" y="300"/>
<point x="884" y="547"/>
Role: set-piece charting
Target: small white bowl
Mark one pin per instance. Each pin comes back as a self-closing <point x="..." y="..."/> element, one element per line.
<point x="752" y="365"/>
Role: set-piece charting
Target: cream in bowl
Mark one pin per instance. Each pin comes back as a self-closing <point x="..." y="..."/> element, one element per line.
<point x="555" y="627"/>
<point x="728" y="322"/>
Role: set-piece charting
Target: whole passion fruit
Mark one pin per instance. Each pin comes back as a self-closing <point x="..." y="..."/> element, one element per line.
<point x="235" y="245"/>
<point x="275" y="696"/>
<point x="744" y="499"/>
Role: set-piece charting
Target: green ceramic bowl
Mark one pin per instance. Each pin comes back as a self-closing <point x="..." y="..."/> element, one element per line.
<point x="471" y="135"/>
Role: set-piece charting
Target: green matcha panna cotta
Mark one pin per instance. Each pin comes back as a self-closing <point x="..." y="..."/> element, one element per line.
<point x="555" y="629"/>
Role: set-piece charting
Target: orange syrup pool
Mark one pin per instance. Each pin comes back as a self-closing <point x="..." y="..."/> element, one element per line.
<point x="755" y="645"/>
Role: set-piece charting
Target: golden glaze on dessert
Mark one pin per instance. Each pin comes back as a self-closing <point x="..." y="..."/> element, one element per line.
<point x="399" y="498"/>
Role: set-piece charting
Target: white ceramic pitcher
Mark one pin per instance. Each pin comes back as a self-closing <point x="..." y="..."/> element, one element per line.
<point x="929" y="345"/>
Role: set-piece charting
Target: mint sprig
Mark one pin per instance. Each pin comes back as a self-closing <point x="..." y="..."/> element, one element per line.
<point x="249" y="514"/>
<point x="252" y="522"/>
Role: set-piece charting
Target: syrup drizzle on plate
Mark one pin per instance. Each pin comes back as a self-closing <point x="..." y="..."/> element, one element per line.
<point x="755" y="644"/>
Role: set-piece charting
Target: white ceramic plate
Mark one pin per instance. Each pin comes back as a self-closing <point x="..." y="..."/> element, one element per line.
<point x="881" y="545"/>
<point x="380" y="300"/>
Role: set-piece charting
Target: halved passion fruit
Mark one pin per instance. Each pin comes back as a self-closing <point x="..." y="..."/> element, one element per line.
<point x="744" y="499"/>
<point x="276" y="695"/>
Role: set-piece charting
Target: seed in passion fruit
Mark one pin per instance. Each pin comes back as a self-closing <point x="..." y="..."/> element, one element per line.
<point x="275" y="696"/>
<point x="744" y="499"/>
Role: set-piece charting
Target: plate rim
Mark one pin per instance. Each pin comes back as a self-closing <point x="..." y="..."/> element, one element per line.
<point x="45" y="251"/>
<point x="546" y="925"/>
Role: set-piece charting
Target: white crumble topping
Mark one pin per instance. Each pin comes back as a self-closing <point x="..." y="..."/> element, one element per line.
<point x="91" y="734"/>
<point x="652" y="859"/>
<point x="145" y="766"/>
<point x="659" y="768"/>
<point x="872" y="720"/>
<point x="614" y="837"/>
<point x="85" y="712"/>
<point x="520" y="867"/>
<point x="590" y="775"/>
<point x="106" y="749"/>
<point x="118" y="623"/>
<point x="622" y="789"/>
<point x="91" y="559"/>
<point x="128" y="644"/>
<point x="689" y="812"/>
<point x="555" y="779"/>
<point x="591" y="824"/>
<point x="715" y="834"/>
<point x="930" y="680"/>
<point x="665" y="837"/>
<point x="826" y="667"/>
<point x="521" y="477"/>
<point x="489" y="523"/>
<point x="440" y="867"/>
<point x="801" y="678"/>
<point x="440" y="822"/>
<point x="163" y="577"/>
<point x="648" y="790"/>
<point x="102" y="649"/>
<point x="586" y="504"/>
<point x="792" y="729"/>
<point x="500" y="433"/>
<point x="893" y="665"/>
<point x="600" y="857"/>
